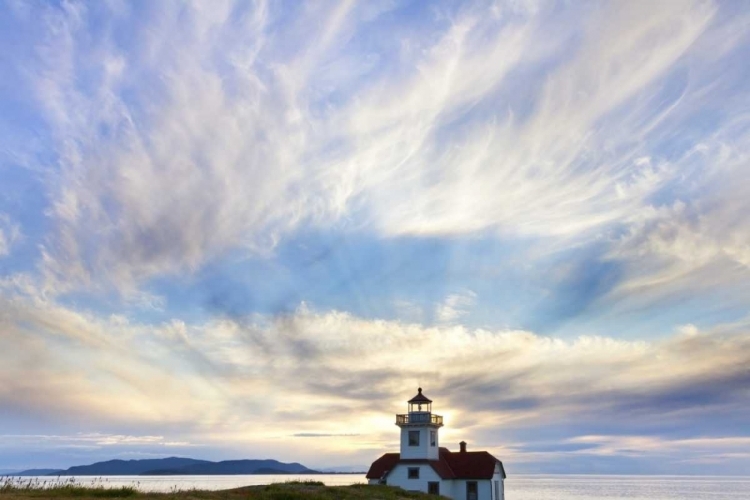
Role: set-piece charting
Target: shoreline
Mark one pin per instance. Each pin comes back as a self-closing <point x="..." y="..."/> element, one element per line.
<point x="298" y="490"/>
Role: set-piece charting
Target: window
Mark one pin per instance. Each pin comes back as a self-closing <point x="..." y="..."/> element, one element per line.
<point x="433" y="488"/>
<point x="413" y="438"/>
<point x="413" y="472"/>
<point x="471" y="490"/>
<point x="497" y="490"/>
<point x="433" y="438"/>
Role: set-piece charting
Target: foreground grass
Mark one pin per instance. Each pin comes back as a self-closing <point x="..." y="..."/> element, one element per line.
<point x="305" y="490"/>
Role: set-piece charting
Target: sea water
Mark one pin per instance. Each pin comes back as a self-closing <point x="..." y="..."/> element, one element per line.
<point x="517" y="487"/>
<point x="587" y="487"/>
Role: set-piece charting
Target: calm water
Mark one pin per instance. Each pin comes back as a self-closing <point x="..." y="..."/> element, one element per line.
<point x="557" y="487"/>
<point x="517" y="487"/>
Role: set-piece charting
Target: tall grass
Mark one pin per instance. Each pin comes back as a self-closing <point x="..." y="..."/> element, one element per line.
<point x="18" y="488"/>
<point x="68" y="487"/>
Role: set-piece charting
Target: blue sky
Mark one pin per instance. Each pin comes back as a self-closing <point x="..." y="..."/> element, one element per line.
<point x="252" y="229"/>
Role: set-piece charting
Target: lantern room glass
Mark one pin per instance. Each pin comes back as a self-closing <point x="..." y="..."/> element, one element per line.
<point x="420" y="407"/>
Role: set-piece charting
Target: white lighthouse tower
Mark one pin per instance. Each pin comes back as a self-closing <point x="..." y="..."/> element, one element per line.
<point x="419" y="429"/>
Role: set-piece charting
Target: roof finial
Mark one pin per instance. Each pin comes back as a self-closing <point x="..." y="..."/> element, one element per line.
<point x="419" y="390"/>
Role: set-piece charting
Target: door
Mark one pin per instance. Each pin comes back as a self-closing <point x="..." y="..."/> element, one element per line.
<point x="471" y="490"/>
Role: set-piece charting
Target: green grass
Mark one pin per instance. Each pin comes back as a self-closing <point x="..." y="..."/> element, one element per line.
<point x="293" y="490"/>
<point x="60" y="488"/>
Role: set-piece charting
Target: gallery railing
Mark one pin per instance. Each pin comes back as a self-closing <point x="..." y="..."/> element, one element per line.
<point x="419" y="418"/>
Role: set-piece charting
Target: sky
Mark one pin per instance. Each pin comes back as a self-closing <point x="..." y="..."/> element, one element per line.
<point x="253" y="229"/>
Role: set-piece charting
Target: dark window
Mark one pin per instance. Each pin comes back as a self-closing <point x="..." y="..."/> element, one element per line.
<point x="413" y="472"/>
<point x="471" y="490"/>
<point x="433" y="488"/>
<point x="413" y="438"/>
<point x="497" y="490"/>
<point x="433" y="437"/>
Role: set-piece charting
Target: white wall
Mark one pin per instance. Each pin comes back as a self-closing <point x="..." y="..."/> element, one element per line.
<point x="458" y="491"/>
<point x="424" y="450"/>
<point x="399" y="476"/>
<point x="500" y="487"/>
<point x="485" y="490"/>
<point x="455" y="488"/>
<point x="498" y="476"/>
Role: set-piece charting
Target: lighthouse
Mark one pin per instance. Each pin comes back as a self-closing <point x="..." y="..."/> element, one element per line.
<point x="423" y="465"/>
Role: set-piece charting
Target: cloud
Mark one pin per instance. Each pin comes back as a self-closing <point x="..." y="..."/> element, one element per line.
<point x="613" y="445"/>
<point x="545" y="173"/>
<point x="249" y="380"/>
<point x="211" y="163"/>
<point x="172" y="154"/>
<point x="697" y="244"/>
<point x="94" y="440"/>
<point x="318" y="434"/>
<point x="454" y="306"/>
<point x="10" y="233"/>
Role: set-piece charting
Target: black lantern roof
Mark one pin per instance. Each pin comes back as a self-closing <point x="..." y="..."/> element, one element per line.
<point x="420" y="398"/>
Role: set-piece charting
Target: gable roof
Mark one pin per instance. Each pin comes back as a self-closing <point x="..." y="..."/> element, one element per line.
<point x="471" y="464"/>
<point x="461" y="465"/>
<point x="383" y="465"/>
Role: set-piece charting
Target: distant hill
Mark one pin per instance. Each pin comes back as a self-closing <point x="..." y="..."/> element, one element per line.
<point x="38" y="472"/>
<point x="129" y="467"/>
<point x="181" y="466"/>
<point x="236" y="467"/>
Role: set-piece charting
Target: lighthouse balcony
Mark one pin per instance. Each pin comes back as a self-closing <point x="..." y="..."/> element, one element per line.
<point x="419" y="418"/>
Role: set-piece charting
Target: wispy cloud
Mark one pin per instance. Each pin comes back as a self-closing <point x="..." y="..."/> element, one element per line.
<point x="319" y="434"/>
<point x="454" y="306"/>
<point x="94" y="440"/>
<point x="234" y="141"/>
<point x="9" y="234"/>
<point x="245" y="374"/>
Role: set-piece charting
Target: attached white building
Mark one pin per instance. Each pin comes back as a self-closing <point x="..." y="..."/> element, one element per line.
<point x="424" y="466"/>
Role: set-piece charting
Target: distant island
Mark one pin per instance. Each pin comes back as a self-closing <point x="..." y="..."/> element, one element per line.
<point x="174" y="466"/>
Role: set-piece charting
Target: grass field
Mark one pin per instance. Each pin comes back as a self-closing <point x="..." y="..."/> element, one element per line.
<point x="308" y="490"/>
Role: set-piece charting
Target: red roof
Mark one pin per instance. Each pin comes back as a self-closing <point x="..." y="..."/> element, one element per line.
<point x="460" y="465"/>
<point x="471" y="464"/>
<point x="383" y="465"/>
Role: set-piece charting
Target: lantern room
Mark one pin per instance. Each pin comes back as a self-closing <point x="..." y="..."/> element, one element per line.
<point x="420" y="412"/>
